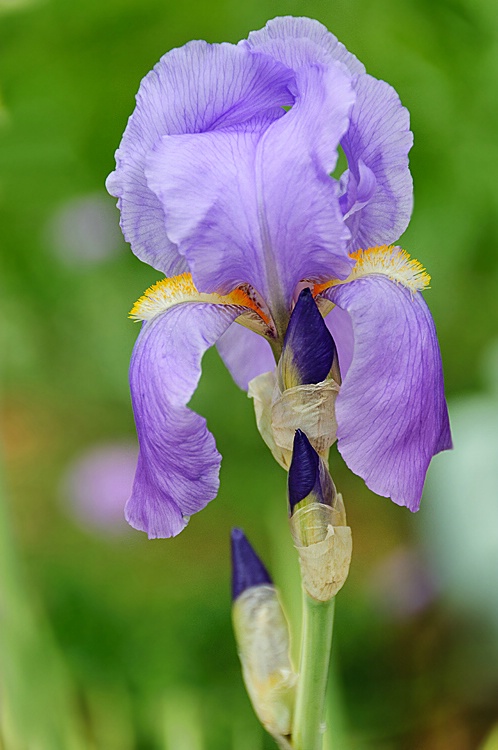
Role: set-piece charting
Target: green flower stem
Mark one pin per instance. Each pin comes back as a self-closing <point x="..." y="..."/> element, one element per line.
<point x="316" y="642"/>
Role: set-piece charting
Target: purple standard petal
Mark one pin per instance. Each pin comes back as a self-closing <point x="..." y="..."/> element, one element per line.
<point x="377" y="200"/>
<point x="192" y="89"/>
<point x="246" y="354"/>
<point x="178" y="464"/>
<point x="300" y="41"/>
<point x="391" y="411"/>
<point x="259" y="207"/>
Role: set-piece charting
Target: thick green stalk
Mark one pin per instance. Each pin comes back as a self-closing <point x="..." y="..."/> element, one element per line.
<point x="316" y="642"/>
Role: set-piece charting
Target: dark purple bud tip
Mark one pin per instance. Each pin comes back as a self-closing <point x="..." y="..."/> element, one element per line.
<point x="247" y="568"/>
<point x="309" y="348"/>
<point x="304" y="472"/>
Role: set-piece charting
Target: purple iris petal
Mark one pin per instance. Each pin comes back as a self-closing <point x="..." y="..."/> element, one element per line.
<point x="359" y="185"/>
<point x="300" y="41"/>
<point x="246" y="354"/>
<point x="247" y="568"/>
<point x="309" y="349"/>
<point x="391" y="411"/>
<point x="178" y="464"/>
<point x="377" y="200"/>
<point x="378" y="190"/>
<point x="339" y="324"/>
<point x="259" y="207"/>
<point x="193" y="89"/>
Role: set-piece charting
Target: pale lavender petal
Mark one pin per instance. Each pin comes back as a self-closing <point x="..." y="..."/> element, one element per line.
<point x="260" y="207"/>
<point x="178" y="464"/>
<point x="340" y="326"/>
<point x="377" y="201"/>
<point x="391" y="411"/>
<point x="211" y="211"/>
<point x="300" y="41"/>
<point x="246" y="354"/>
<point x="378" y="190"/>
<point x="192" y="89"/>
<point x="297" y="154"/>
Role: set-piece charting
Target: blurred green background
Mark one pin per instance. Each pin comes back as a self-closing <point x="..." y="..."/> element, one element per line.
<point x="111" y="642"/>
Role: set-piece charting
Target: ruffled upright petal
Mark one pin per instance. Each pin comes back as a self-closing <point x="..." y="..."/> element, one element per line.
<point x="391" y="411"/>
<point x="178" y="464"/>
<point x="377" y="198"/>
<point x="377" y="187"/>
<point x="301" y="41"/>
<point x="192" y="89"/>
<point x="260" y="207"/>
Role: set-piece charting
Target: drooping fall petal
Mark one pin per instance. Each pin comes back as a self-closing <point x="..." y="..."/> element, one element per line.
<point x="391" y="411"/>
<point x="178" y="464"/>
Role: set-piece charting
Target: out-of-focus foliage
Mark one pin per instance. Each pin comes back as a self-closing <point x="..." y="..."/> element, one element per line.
<point x="135" y="634"/>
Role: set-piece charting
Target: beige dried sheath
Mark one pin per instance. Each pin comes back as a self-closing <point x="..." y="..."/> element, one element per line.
<point x="279" y="414"/>
<point x="262" y="637"/>
<point x="324" y="549"/>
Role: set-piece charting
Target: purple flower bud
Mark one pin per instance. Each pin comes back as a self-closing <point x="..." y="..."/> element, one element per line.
<point x="247" y="568"/>
<point x="303" y="471"/>
<point x="309" y="348"/>
<point x="308" y="475"/>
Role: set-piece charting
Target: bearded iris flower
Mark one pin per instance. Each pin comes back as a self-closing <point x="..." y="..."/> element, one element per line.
<point x="224" y="183"/>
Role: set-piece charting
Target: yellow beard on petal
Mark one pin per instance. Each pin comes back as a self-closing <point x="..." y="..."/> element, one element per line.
<point x="387" y="260"/>
<point x="177" y="290"/>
